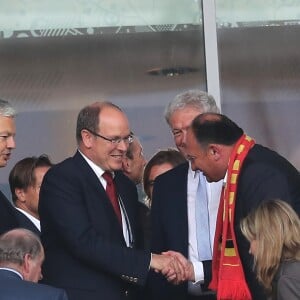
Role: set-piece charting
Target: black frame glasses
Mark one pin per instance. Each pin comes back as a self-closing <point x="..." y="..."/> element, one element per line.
<point x="117" y="140"/>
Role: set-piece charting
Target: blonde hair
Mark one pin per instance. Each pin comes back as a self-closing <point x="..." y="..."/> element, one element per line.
<point x="276" y="228"/>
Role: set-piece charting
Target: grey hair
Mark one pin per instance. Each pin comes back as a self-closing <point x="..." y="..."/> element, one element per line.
<point x="6" y="110"/>
<point x="198" y="99"/>
<point x="16" y="243"/>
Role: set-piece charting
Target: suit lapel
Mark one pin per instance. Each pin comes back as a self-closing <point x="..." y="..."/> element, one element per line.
<point x="98" y="199"/>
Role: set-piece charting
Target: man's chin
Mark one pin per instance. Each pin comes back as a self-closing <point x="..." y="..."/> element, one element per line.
<point x="3" y="163"/>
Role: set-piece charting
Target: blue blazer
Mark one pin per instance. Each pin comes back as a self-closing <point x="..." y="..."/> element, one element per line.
<point x="12" y="287"/>
<point x="84" y="245"/>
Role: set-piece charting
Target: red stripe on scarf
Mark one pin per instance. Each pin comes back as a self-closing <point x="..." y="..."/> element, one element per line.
<point x="228" y="278"/>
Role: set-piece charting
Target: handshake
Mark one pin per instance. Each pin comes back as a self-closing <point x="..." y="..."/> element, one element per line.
<point x="174" y="266"/>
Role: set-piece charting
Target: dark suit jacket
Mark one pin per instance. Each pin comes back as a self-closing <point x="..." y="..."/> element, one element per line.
<point x="7" y="215"/>
<point x="169" y="221"/>
<point x="25" y="222"/>
<point x="265" y="175"/>
<point x="84" y="246"/>
<point x="12" y="287"/>
<point x="144" y="220"/>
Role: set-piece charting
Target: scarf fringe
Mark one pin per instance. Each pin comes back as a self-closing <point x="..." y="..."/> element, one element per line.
<point x="213" y="285"/>
<point x="233" y="290"/>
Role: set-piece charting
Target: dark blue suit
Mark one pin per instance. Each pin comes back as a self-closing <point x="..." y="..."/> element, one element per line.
<point x="169" y="220"/>
<point x="84" y="245"/>
<point x="7" y="215"/>
<point x="12" y="287"/>
<point x="24" y="222"/>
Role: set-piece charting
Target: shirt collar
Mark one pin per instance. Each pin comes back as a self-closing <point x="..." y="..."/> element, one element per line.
<point x="98" y="170"/>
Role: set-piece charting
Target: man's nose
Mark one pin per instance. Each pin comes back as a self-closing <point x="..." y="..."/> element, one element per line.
<point x="181" y="140"/>
<point x="123" y="145"/>
<point x="11" y="143"/>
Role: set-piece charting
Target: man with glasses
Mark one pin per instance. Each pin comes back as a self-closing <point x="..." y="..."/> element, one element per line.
<point x="88" y="210"/>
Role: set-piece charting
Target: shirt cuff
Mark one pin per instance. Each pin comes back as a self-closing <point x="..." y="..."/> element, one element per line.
<point x="198" y="271"/>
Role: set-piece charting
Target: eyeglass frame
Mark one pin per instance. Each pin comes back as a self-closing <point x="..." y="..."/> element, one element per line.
<point x="113" y="141"/>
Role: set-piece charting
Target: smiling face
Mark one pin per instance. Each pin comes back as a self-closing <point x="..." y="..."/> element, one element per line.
<point x="113" y="123"/>
<point x="179" y="122"/>
<point x="7" y="139"/>
<point x="212" y="160"/>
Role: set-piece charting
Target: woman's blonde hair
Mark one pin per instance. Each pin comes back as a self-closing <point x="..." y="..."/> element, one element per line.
<point x="276" y="228"/>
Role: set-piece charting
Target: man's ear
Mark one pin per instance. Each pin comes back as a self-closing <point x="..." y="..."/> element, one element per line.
<point x="20" y="194"/>
<point x="87" y="138"/>
<point x="126" y="165"/>
<point x="26" y="267"/>
<point x="215" y="151"/>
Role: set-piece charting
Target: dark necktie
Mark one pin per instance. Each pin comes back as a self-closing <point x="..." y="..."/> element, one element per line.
<point x="112" y="194"/>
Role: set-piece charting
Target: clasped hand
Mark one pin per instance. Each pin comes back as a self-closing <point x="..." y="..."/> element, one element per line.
<point x="174" y="266"/>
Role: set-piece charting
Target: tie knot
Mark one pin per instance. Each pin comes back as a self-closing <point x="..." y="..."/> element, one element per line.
<point x="108" y="177"/>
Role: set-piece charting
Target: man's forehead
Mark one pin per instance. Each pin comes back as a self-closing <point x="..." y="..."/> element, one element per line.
<point x="184" y="117"/>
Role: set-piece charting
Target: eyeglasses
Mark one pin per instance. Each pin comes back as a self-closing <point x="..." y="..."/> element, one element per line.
<point x="117" y="140"/>
<point x="151" y="182"/>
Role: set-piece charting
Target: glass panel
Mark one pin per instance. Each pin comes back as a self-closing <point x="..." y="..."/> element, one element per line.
<point x="76" y="17"/>
<point x="262" y="13"/>
<point x="260" y="72"/>
<point x="139" y="63"/>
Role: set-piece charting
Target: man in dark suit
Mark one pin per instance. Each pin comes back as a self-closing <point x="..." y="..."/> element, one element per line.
<point x="7" y="144"/>
<point x="21" y="257"/>
<point x="211" y="145"/>
<point x="25" y="181"/>
<point x="133" y="167"/>
<point x="90" y="232"/>
<point x="174" y="201"/>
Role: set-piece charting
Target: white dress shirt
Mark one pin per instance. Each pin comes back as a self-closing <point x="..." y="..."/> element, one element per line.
<point x="213" y="194"/>
<point x="33" y="219"/>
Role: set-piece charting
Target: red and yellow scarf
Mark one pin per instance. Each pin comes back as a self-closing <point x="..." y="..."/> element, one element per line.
<point x="228" y="278"/>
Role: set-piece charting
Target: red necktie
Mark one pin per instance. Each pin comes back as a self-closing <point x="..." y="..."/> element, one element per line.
<point x="112" y="194"/>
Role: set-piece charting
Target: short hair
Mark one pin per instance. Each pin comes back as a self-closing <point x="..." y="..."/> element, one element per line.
<point x="22" y="174"/>
<point x="6" y="110"/>
<point x="276" y="227"/>
<point x="129" y="152"/>
<point x="88" y="117"/>
<point x="214" y="128"/>
<point x="198" y="99"/>
<point x="171" y="156"/>
<point x="16" y="243"/>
